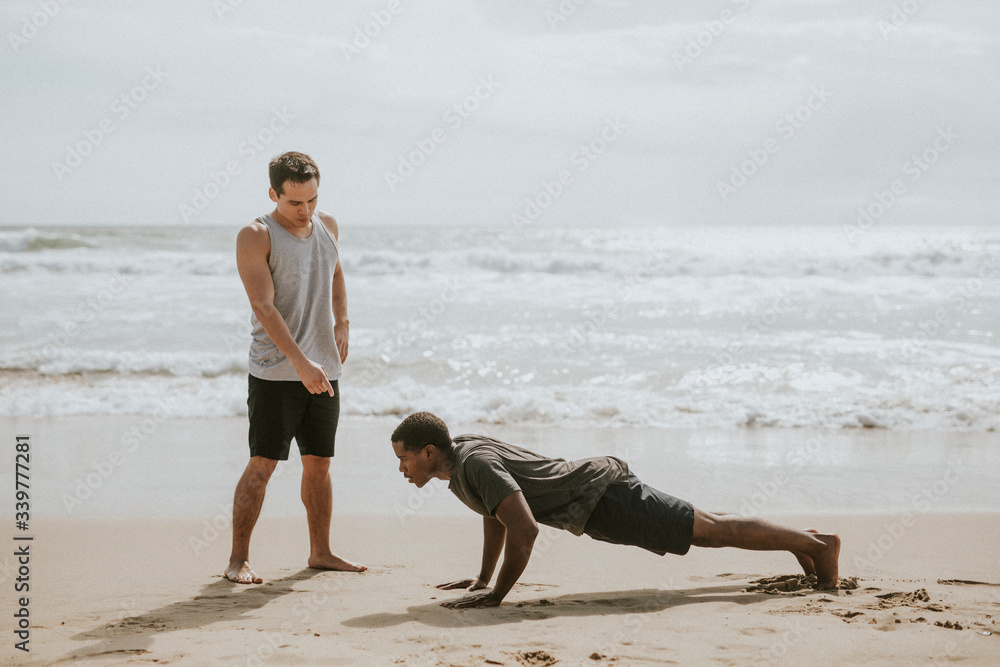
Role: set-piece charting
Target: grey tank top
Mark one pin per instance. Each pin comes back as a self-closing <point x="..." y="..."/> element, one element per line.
<point x="302" y="271"/>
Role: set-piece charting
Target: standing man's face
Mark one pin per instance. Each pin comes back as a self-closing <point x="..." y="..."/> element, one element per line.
<point x="298" y="201"/>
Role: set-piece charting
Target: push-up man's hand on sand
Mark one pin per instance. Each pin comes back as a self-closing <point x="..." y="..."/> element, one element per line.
<point x="468" y="584"/>
<point x="471" y="601"/>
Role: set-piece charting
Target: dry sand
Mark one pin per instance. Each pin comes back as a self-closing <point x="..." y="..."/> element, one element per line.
<point x="130" y="573"/>
<point x="145" y="591"/>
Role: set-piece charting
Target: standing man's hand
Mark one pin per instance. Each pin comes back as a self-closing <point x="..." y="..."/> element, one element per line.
<point x="341" y="332"/>
<point x="313" y="376"/>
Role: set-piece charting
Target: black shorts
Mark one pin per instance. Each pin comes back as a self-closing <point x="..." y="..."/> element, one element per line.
<point x="282" y="409"/>
<point x="638" y="515"/>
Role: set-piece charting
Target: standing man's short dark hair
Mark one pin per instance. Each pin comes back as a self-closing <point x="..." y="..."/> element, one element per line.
<point x="289" y="262"/>
<point x="291" y="166"/>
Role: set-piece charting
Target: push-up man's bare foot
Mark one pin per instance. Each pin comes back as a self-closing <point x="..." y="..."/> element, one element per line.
<point x="805" y="561"/>
<point x="826" y="560"/>
<point x="239" y="572"/>
<point x="334" y="562"/>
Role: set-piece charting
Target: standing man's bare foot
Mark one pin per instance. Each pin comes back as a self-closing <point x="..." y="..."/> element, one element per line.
<point x="805" y="561"/>
<point x="239" y="572"/>
<point x="334" y="562"/>
<point x="827" y="561"/>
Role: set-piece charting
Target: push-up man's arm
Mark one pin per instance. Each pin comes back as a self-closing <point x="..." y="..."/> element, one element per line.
<point x="494" y="533"/>
<point x="517" y="531"/>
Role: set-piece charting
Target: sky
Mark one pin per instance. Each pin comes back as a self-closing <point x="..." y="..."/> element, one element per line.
<point x="579" y="112"/>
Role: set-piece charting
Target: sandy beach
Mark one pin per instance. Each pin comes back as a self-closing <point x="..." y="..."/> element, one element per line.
<point x="130" y="573"/>
<point x="135" y="592"/>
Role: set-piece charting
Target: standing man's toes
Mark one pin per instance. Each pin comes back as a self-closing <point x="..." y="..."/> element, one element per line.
<point x="242" y="574"/>
<point x="334" y="562"/>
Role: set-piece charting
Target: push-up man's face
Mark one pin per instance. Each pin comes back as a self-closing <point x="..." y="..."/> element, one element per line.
<point x="415" y="466"/>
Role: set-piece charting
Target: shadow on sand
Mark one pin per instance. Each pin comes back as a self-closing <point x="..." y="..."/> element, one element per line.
<point x="644" y="601"/>
<point x="217" y="602"/>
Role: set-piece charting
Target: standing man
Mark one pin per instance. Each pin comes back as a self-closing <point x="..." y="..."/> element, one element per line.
<point x="290" y="267"/>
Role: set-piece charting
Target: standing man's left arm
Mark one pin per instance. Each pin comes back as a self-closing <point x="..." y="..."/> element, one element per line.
<point x="342" y="325"/>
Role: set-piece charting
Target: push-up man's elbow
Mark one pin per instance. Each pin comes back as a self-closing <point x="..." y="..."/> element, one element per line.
<point x="529" y="532"/>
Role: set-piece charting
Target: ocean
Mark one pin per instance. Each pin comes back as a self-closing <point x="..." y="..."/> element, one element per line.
<point x="674" y="327"/>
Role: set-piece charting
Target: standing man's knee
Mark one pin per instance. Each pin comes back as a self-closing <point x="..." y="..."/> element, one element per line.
<point x="315" y="465"/>
<point x="261" y="467"/>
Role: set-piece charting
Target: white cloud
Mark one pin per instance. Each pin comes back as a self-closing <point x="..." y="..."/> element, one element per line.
<point x="557" y="85"/>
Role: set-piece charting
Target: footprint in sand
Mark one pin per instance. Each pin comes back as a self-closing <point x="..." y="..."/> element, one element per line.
<point x="965" y="582"/>
<point x="789" y="583"/>
<point x="535" y="658"/>
<point x="919" y="595"/>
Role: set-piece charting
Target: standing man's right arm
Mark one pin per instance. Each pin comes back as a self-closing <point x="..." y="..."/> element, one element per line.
<point x="253" y="244"/>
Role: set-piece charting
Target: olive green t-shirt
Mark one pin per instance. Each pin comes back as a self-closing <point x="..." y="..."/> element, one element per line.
<point x="560" y="493"/>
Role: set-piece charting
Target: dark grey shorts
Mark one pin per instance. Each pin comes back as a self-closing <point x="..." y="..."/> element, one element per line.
<point x="638" y="515"/>
<point x="282" y="409"/>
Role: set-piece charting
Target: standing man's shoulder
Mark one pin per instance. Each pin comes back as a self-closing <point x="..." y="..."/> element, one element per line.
<point x="330" y="223"/>
<point x="253" y="239"/>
